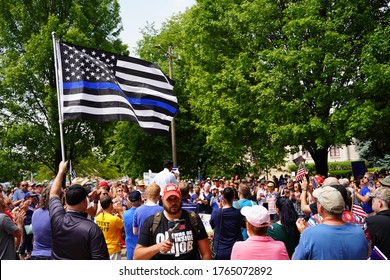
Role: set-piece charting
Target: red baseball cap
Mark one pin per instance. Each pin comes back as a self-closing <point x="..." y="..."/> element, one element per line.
<point x="319" y="179"/>
<point x="171" y="189"/>
<point x="103" y="184"/>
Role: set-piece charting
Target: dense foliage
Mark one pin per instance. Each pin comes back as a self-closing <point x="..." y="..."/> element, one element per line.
<point x="254" y="79"/>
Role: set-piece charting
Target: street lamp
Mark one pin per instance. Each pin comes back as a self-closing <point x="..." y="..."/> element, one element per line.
<point x="173" y="130"/>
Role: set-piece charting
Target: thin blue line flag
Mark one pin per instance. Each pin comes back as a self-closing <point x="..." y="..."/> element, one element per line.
<point x="102" y="86"/>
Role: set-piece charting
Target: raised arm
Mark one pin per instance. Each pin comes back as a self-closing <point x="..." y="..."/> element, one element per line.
<point x="304" y="205"/>
<point x="57" y="185"/>
<point x="19" y="219"/>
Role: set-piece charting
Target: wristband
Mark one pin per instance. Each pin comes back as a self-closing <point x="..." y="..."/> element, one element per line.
<point x="304" y="189"/>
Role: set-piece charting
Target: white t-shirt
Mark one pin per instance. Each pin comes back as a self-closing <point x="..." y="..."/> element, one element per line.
<point x="163" y="178"/>
<point x="260" y="199"/>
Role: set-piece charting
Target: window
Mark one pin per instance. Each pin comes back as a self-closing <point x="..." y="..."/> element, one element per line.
<point x="307" y="154"/>
<point x="334" y="151"/>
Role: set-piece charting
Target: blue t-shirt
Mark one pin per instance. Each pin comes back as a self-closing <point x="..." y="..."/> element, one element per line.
<point x="325" y="242"/>
<point x="244" y="202"/>
<point x="367" y="206"/>
<point x="42" y="233"/>
<point x="18" y="195"/>
<point x="241" y="204"/>
<point x="214" y="203"/>
<point x="131" y="239"/>
<point x="193" y="197"/>
<point x="144" y="211"/>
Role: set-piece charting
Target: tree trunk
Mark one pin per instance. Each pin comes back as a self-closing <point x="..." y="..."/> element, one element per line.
<point x="320" y="157"/>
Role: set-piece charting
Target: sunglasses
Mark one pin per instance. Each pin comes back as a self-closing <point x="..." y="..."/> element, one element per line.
<point x="24" y="185"/>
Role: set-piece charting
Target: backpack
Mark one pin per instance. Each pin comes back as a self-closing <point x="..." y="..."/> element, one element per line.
<point x="191" y="214"/>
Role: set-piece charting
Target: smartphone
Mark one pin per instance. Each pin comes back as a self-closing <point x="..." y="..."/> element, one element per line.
<point x="175" y="226"/>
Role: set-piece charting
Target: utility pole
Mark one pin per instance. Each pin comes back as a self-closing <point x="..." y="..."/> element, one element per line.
<point x="173" y="127"/>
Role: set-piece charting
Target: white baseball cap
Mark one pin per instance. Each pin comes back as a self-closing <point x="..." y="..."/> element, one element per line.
<point x="256" y="215"/>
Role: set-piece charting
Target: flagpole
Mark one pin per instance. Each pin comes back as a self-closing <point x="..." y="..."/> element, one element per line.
<point x="56" y="49"/>
<point x="173" y="126"/>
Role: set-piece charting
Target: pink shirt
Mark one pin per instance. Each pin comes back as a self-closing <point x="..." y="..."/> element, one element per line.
<point x="259" y="248"/>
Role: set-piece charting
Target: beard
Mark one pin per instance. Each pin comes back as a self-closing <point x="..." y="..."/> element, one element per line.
<point x="173" y="208"/>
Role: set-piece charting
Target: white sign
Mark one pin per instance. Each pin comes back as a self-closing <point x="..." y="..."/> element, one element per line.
<point x="148" y="177"/>
<point x="206" y="221"/>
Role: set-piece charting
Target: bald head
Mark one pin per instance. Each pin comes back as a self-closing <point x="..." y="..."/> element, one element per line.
<point x="344" y="182"/>
<point x="330" y="181"/>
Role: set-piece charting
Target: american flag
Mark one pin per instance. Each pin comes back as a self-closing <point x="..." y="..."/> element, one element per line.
<point x="300" y="173"/>
<point x="102" y="86"/>
<point x="358" y="210"/>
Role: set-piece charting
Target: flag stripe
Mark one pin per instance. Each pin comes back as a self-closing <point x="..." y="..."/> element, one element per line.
<point x="96" y="101"/>
<point x="159" y="111"/>
<point x="90" y="102"/>
<point x="102" y="105"/>
<point x="161" y="85"/>
<point x="126" y="68"/>
<point x="91" y="85"/>
<point x="104" y="86"/>
<point x="153" y="103"/>
<point x="104" y="112"/>
<point x="101" y="96"/>
<point x="138" y="63"/>
<point x="150" y="95"/>
<point x="107" y="101"/>
<point x="83" y="114"/>
<point x="150" y="113"/>
<point x="141" y="88"/>
<point x="89" y="113"/>
<point x="300" y="173"/>
<point x="358" y="210"/>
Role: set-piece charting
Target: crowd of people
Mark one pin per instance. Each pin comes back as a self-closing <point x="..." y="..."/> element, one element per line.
<point x="250" y="218"/>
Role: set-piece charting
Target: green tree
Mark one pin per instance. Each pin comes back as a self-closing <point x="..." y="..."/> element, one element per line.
<point x="314" y="76"/>
<point x="135" y="152"/>
<point x="29" y="116"/>
<point x="223" y="43"/>
<point x="264" y="75"/>
<point x="376" y="69"/>
<point x="190" y="140"/>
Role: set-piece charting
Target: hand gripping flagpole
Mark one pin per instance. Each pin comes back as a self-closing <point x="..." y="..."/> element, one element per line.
<point x="58" y="72"/>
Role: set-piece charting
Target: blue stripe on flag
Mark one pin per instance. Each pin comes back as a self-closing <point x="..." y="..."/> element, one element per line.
<point x="91" y="85"/>
<point x="150" y="102"/>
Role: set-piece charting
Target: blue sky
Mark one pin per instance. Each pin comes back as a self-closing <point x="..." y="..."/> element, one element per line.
<point x="136" y="14"/>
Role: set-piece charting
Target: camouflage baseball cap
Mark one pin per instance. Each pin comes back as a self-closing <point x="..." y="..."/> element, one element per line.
<point x="386" y="181"/>
<point x="383" y="194"/>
